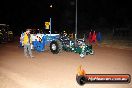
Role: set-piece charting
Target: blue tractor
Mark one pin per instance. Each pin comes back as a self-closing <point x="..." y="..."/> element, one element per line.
<point x="58" y="42"/>
<point x="42" y="40"/>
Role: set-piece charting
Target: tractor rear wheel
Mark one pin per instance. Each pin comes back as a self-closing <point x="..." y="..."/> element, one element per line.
<point x="55" y="47"/>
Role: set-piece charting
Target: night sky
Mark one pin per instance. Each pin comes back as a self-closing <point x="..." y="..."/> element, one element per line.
<point x="22" y="14"/>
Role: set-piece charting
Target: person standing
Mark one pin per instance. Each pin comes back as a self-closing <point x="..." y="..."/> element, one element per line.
<point x="94" y="37"/>
<point x="21" y="40"/>
<point x="90" y="38"/>
<point x="27" y="43"/>
<point x="99" y="38"/>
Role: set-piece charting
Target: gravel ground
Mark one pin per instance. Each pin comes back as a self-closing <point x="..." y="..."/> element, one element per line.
<point x="58" y="71"/>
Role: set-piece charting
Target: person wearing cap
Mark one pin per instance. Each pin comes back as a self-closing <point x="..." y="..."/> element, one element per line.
<point x="27" y="43"/>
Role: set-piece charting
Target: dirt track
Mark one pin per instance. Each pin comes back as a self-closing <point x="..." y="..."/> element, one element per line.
<point x="58" y="71"/>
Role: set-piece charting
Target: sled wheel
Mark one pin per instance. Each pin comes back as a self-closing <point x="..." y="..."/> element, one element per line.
<point x="81" y="80"/>
<point x="82" y="55"/>
<point x="92" y="52"/>
<point x="55" y="47"/>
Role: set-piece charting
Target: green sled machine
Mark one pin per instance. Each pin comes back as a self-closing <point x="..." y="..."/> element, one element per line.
<point x="65" y="44"/>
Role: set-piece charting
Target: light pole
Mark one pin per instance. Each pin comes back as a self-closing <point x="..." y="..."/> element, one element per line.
<point x="50" y="26"/>
<point x="50" y="21"/>
<point x="76" y="24"/>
